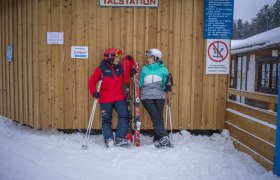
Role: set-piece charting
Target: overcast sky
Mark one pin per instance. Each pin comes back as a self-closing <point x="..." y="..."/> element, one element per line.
<point x="247" y="9"/>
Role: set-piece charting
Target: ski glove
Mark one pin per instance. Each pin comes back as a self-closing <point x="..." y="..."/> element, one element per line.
<point x="168" y="88"/>
<point x="132" y="72"/>
<point x="96" y="95"/>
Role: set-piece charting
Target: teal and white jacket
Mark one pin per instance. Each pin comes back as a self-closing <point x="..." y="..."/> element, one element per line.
<point x="152" y="81"/>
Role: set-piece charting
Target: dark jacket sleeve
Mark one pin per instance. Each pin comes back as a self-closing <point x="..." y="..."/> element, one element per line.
<point x="93" y="80"/>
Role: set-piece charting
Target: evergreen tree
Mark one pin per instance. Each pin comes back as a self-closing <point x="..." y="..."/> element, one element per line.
<point x="276" y="14"/>
<point x="235" y="33"/>
<point x="267" y="18"/>
<point x="264" y="19"/>
<point x="246" y="29"/>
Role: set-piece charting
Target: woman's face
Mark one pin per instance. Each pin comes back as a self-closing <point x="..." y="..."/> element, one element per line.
<point x="150" y="59"/>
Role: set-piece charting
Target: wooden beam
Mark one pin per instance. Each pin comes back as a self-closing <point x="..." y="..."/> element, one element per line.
<point x="20" y="61"/>
<point x="258" y="129"/>
<point x="259" y="158"/>
<point x="254" y="95"/>
<point x="260" y="146"/>
<point x="30" y="60"/>
<point x="267" y="116"/>
<point x="36" y="64"/>
<point x="68" y="64"/>
<point x="15" y="58"/>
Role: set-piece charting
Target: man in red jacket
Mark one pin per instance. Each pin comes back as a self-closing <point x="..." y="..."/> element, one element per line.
<point x="111" y="96"/>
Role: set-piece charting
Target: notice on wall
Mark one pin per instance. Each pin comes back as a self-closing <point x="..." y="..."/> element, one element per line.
<point x="218" y="19"/>
<point x="217" y="56"/>
<point x="9" y="53"/>
<point x="79" y="52"/>
<point x="129" y="3"/>
<point x="55" y="37"/>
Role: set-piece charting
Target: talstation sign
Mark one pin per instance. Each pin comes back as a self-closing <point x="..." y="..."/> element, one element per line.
<point x="129" y="3"/>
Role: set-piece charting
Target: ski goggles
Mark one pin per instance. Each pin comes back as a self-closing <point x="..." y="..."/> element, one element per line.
<point x="149" y="53"/>
<point x="118" y="53"/>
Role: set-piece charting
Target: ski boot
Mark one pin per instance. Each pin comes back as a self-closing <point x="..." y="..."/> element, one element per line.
<point x="163" y="142"/>
<point x="109" y="142"/>
<point x="122" y="142"/>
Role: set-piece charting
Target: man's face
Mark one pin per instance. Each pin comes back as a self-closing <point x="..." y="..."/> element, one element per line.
<point x="116" y="61"/>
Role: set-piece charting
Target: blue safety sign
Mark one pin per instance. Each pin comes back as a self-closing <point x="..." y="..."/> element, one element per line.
<point x="10" y="53"/>
<point x="218" y="19"/>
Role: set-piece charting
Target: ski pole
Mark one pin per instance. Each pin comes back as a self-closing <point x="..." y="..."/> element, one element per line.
<point x="84" y="146"/>
<point x="168" y="112"/>
<point x="168" y="106"/>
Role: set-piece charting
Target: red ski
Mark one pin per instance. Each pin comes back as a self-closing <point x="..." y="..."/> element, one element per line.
<point x="128" y="63"/>
<point x="137" y="122"/>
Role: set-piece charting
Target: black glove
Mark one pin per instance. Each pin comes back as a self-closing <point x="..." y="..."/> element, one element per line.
<point x="168" y="88"/>
<point x="96" y="95"/>
<point x="132" y="72"/>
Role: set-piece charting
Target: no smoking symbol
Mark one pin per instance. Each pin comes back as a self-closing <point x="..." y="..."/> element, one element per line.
<point x="218" y="51"/>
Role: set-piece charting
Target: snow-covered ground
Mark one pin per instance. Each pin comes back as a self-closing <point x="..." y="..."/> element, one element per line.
<point x="29" y="154"/>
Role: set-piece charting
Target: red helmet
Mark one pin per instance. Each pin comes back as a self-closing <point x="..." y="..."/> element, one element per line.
<point x="111" y="52"/>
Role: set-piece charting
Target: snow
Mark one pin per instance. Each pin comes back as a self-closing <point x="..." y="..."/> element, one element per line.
<point x="27" y="153"/>
<point x="259" y="41"/>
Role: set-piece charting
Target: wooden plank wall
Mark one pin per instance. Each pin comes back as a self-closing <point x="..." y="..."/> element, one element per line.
<point x="44" y="88"/>
<point x="253" y="131"/>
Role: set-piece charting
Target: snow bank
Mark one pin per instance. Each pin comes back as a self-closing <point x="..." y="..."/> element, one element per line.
<point x="27" y="153"/>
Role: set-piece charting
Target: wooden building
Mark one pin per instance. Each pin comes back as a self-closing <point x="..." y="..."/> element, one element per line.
<point x="255" y="65"/>
<point x="251" y="115"/>
<point x="45" y="88"/>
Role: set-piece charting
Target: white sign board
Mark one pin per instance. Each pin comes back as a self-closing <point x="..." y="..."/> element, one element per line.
<point x="217" y="56"/>
<point x="79" y="52"/>
<point x="129" y="3"/>
<point x="274" y="53"/>
<point x="55" y="37"/>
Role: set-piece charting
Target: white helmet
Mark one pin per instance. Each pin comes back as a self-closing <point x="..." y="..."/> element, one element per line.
<point x="154" y="52"/>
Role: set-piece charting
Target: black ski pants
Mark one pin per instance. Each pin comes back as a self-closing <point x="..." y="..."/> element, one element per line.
<point x="155" y="110"/>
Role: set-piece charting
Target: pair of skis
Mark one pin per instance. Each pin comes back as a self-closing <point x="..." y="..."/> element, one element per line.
<point x="128" y="64"/>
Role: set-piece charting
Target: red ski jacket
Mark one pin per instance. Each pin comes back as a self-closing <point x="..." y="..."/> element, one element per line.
<point x="111" y="88"/>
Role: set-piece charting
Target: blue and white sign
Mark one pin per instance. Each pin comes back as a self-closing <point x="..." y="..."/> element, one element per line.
<point x="79" y="52"/>
<point x="218" y="19"/>
<point x="10" y="53"/>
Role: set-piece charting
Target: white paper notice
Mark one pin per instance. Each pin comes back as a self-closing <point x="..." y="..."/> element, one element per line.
<point x="55" y="37"/>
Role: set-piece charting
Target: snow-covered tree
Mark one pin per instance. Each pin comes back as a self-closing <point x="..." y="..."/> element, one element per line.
<point x="267" y="18"/>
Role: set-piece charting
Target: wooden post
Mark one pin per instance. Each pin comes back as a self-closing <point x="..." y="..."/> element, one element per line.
<point x="271" y="106"/>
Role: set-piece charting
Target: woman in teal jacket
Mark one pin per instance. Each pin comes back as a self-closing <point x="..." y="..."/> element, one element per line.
<point x="153" y="86"/>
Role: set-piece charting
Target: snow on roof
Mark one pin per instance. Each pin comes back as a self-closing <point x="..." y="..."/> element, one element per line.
<point x="259" y="41"/>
